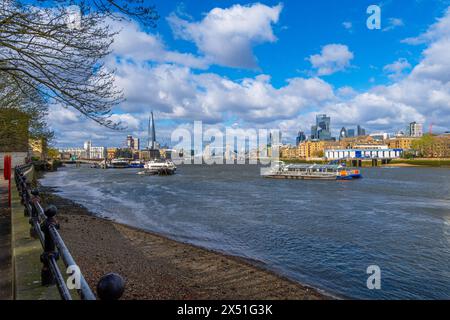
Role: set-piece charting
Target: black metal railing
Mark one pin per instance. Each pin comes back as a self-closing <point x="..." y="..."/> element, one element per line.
<point x="44" y="226"/>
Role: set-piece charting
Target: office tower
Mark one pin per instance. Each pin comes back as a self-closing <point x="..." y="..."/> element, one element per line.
<point x="272" y="138"/>
<point x="361" y="131"/>
<point x="300" y="137"/>
<point x="151" y="139"/>
<point x="321" y="131"/>
<point x="314" y="133"/>
<point x="415" y="129"/>
<point x="351" y="133"/>
<point x="130" y="142"/>
<point x="153" y="147"/>
<point x="137" y="144"/>
<point x="343" y="133"/>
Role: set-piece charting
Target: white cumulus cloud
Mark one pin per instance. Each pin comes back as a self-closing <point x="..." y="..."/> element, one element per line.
<point x="180" y="93"/>
<point x="133" y="43"/>
<point x="333" y="58"/>
<point x="227" y="36"/>
<point x="396" y="69"/>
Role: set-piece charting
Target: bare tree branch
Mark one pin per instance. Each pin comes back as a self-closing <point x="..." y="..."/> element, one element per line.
<point x="40" y="51"/>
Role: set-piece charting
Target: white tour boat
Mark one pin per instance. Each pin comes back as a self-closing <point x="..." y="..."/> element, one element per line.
<point x="311" y="172"/>
<point x="161" y="167"/>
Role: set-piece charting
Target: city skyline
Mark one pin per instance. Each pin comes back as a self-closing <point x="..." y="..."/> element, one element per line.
<point x="269" y="77"/>
<point x="412" y="129"/>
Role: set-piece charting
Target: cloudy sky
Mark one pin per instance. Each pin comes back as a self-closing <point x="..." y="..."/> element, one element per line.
<point x="273" y="64"/>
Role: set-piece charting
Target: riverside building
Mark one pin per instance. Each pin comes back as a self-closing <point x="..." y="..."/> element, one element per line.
<point x="87" y="152"/>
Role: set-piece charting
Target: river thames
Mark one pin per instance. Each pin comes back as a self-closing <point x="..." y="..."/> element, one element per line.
<point x="321" y="233"/>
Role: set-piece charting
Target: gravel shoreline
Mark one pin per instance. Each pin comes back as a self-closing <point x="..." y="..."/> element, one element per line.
<point x="156" y="267"/>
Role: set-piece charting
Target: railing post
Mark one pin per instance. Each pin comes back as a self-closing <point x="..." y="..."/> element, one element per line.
<point x="18" y="177"/>
<point x="23" y="193"/>
<point x="47" y="277"/>
<point x="23" y="180"/>
<point x="34" y="212"/>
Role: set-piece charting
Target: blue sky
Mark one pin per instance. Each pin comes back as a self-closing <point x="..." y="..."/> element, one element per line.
<point x="272" y="64"/>
<point x="305" y="26"/>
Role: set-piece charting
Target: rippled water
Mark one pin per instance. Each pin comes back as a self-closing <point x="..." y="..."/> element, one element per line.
<point x="322" y="233"/>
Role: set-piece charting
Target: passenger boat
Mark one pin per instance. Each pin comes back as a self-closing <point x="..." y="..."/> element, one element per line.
<point x="311" y="172"/>
<point x="160" y="166"/>
<point x="119" y="163"/>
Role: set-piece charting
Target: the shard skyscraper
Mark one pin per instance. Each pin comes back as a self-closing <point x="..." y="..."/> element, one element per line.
<point x="151" y="143"/>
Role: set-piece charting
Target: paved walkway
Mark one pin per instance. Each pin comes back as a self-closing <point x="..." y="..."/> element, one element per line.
<point x="5" y="242"/>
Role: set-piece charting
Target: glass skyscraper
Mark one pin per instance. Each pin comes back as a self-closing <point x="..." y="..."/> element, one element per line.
<point x="300" y="137"/>
<point x="321" y="131"/>
<point x="343" y="133"/>
<point x="351" y="133"/>
<point x="361" y="131"/>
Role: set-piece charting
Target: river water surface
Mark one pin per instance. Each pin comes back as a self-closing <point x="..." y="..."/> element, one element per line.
<point x="321" y="233"/>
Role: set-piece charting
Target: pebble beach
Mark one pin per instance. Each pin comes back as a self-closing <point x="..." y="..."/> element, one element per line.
<point x="156" y="267"/>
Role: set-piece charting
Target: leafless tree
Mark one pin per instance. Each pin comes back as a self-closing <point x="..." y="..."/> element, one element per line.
<point x="115" y="9"/>
<point x="42" y="51"/>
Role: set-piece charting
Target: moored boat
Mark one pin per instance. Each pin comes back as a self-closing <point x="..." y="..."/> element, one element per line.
<point x="311" y="172"/>
<point x="136" y="164"/>
<point x="119" y="163"/>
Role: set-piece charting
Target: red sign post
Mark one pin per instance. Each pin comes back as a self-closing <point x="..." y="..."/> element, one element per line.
<point x="7" y="175"/>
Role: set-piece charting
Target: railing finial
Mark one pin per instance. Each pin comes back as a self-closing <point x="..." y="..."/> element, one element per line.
<point x="50" y="211"/>
<point x="110" y="287"/>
